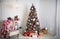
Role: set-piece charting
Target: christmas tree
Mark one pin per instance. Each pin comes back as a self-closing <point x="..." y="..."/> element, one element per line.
<point x="33" y="22"/>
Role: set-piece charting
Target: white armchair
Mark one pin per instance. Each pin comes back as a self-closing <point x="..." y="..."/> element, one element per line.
<point x="9" y="28"/>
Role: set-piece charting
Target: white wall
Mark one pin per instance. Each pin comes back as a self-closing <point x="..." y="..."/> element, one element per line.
<point x="45" y="10"/>
<point x="47" y="14"/>
<point x="0" y="11"/>
<point x="58" y="20"/>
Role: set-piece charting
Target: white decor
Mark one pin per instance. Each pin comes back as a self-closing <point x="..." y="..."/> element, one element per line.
<point x="34" y="36"/>
<point x="13" y="33"/>
<point x="34" y="19"/>
<point x="37" y="23"/>
<point x="30" y="23"/>
<point x="29" y="20"/>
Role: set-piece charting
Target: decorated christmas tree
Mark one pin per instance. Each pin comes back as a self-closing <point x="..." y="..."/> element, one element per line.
<point x="33" y="21"/>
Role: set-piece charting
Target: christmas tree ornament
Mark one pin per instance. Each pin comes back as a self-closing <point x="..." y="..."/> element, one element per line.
<point x="30" y="23"/>
<point x="34" y="25"/>
<point x="29" y="20"/>
<point x="37" y="23"/>
<point x="33" y="19"/>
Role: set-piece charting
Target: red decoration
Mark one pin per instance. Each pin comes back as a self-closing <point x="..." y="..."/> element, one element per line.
<point x="27" y="33"/>
<point x="43" y="28"/>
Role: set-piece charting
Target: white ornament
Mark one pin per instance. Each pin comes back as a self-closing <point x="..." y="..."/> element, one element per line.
<point x="34" y="19"/>
<point x="46" y="28"/>
<point x="29" y="20"/>
<point x="35" y="32"/>
<point x="32" y="8"/>
<point x="37" y="23"/>
<point x="30" y="24"/>
<point x="33" y="28"/>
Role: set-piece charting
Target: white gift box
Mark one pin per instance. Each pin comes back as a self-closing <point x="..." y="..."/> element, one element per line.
<point x="34" y="36"/>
